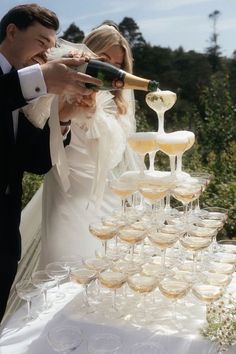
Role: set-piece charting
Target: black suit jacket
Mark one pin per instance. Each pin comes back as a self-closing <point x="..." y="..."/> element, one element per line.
<point x="29" y="151"/>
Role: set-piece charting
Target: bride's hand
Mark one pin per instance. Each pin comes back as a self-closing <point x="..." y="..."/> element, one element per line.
<point x="77" y="106"/>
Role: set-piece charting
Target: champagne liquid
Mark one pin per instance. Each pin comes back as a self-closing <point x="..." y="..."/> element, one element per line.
<point x="207" y="293"/>
<point x="83" y="276"/>
<point x="211" y="223"/>
<point x="143" y="142"/>
<point x="96" y="264"/>
<point x="112" y="280"/>
<point x="161" y="101"/>
<point x="163" y="240"/>
<point x="131" y="236"/>
<point x="174" y="289"/>
<point x="142" y="283"/>
<point x="174" y="143"/>
<point x="122" y="193"/>
<point x="198" y="231"/>
<point x="103" y="232"/>
<point x="153" y="194"/>
<point x="195" y="243"/>
<point x="186" y="194"/>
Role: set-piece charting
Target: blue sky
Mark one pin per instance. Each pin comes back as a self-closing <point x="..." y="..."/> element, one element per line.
<point x="168" y="23"/>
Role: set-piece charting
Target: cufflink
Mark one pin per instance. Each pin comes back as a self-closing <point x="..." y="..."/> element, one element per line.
<point x="37" y="89"/>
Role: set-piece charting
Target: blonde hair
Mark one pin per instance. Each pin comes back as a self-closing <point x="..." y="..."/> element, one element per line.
<point x="101" y="39"/>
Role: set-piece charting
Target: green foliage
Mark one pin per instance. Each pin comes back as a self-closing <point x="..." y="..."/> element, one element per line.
<point x="31" y="184"/>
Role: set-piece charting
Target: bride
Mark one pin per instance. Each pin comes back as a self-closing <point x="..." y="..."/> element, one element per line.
<point x="97" y="150"/>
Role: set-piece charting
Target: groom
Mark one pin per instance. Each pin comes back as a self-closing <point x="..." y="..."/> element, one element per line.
<point x="26" y="32"/>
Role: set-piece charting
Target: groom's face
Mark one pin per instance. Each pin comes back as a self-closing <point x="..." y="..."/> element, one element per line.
<point x="30" y="45"/>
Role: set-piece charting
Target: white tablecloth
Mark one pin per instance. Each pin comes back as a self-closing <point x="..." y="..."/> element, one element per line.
<point x="32" y="338"/>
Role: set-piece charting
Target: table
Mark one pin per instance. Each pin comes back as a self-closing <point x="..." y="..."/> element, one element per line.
<point x="32" y="338"/>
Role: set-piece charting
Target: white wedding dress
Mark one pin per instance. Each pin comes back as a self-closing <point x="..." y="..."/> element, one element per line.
<point x="97" y="150"/>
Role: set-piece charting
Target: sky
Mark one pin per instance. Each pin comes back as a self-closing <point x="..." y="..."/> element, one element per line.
<point x="165" y="23"/>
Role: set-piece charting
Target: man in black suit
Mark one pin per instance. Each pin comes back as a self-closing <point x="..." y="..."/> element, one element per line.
<point x="26" y="32"/>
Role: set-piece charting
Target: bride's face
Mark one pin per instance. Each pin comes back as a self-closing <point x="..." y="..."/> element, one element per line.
<point x="114" y="55"/>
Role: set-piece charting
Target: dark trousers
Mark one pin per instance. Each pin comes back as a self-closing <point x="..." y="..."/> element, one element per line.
<point x="8" y="269"/>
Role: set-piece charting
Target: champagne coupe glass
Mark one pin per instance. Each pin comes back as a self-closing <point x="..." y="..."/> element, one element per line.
<point x="155" y="194"/>
<point x="113" y="280"/>
<point x="206" y="178"/>
<point x="143" y="143"/>
<point x="186" y="194"/>
<point x="160" y="101"/>
<point x="58" y="272"/>
<point x="195" y="244"/>
<point x="103" y="233"/>
<point x="84" y="277"/>
<point x="207" y="293"/>
<point x="173" y="144"/>
<point x="174" y="289"/>
<point x="143" y="285"/>
<point x="190" y="136"/>
<point x="163" y="240"/>
<point x="215" y="218"/>
<point x="26" y="290"/>
<point x="104" y="343"/>
<point x="123" y="189"/>
<point x="65" y="339"/>
<point x="132" y="236"/>
<point x="44" y="282"/>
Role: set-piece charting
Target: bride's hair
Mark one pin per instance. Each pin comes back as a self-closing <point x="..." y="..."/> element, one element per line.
<point x="101" y="39"/>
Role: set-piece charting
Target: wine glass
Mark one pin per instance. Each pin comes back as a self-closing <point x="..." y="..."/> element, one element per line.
<point x="132" y="236"/>
<point x="195" y="244"/>
<point x="103" y="233"/>
<point x="143" y="285"/>
<point x="65" y="339"/>
<point x="174" y="289"/>
<point x="58" y="272"/>
<point x="160" y="101"/>
<point x="44" y="282"/>
<point x="123" y="189"/>
<point x="104" y="343"/>
<point x="163" y="240"/>
<point x="143" y="143"/>
<point x="84" y="277"/>
<point x="26" y="290"/>
<point x="113" y="280"/>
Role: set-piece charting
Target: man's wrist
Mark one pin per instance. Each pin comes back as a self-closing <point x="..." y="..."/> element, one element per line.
<point x="66" y="123"/>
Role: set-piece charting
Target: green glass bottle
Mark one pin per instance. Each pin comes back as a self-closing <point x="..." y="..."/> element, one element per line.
<point x="114" y="78"/>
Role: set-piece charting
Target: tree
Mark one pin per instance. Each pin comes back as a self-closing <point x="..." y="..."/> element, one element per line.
<point x="73" y="34"/>
<point x="214" y="50"/>
<point x="130" y="30"/>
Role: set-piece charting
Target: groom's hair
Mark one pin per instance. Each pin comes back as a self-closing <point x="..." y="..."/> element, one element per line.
<point x="24" y="16"/>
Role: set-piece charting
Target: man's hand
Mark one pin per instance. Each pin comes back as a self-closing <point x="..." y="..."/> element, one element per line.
<point x="60" y="78"/>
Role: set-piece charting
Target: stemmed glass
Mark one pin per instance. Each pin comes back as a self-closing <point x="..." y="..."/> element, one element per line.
<point x="42" y="281"/>
<point x="174" y="289"/>
<point x="103" y="233"/>
<point x="160" y="101"/>
<point x="191" y="139"/>
<point x="132" y="236"/>
<point x="26" y="290"/>
<point x="163" y="240"/>
<point x="123" y="189"/>
<point x="65" y="339"/>
<point x="84" y="277"/>
<point x="143" y="143"/>
<point x="112" y="280"/>
<point x="58" y="272"/>
<point x="142" y="284"/>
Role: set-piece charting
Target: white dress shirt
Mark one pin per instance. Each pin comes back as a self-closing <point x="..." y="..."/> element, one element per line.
<point x="31" y="81"/>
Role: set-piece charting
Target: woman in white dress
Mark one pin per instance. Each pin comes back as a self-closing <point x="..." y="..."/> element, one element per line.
<point x="98" y="149"/>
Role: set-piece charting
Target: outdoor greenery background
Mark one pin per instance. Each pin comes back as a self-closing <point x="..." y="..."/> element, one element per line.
<point x="206" y="96"/>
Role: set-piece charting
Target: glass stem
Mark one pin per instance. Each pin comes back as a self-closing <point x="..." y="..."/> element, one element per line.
<point x="29" y="304"/>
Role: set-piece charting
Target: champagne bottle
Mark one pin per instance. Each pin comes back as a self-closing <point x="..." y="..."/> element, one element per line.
<point x="114" y="78"/>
